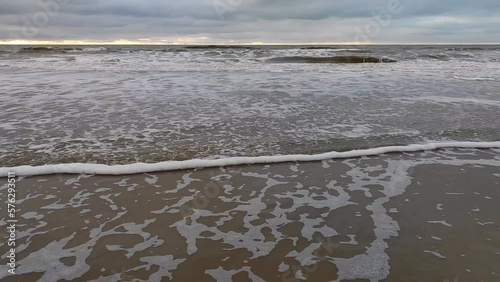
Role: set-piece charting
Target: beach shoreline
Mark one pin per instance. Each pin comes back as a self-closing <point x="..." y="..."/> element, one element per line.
<point x="128" y="169"/>
<point x="358" y="218"/>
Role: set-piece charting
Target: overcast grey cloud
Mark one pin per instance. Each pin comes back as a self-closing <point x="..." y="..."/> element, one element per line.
<point x="244" y="21"/>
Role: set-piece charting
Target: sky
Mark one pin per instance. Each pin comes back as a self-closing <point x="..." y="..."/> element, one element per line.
<point x="249" y="21"/>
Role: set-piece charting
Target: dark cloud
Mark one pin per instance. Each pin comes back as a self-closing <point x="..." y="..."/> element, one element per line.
<point x="250" y="20"/>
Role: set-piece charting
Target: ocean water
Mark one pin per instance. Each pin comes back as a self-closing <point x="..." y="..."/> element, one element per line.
<point x="127" y="104"/>
<point x="337" y="209"/>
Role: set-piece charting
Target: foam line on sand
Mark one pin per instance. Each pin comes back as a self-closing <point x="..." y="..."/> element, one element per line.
<point x="101" y="169"/>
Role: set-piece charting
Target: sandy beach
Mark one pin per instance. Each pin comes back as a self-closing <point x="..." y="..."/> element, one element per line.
<point x="428" y="216"/>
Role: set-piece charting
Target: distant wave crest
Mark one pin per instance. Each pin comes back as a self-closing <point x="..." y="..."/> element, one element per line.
<point x="331" y="60"/>
<point x="47" y="49"/>
<point x="58" y="49"/>
<point x="216" y="47"/>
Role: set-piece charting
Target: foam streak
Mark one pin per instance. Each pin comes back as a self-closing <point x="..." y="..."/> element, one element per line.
<point x="101" y="169"/>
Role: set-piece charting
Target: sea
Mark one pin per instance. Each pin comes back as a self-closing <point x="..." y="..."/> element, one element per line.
<point x="147" y="104"/>
<point x="250" y="163"/>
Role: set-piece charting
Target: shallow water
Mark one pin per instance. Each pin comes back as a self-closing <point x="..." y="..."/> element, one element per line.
<point x="117" y="105"/>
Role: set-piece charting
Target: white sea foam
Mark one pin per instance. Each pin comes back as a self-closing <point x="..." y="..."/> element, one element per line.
<point x="442" y="222"/>
<point x="95" y="49"/>
<point x="348" y="49"/>
<point x="101" y="169"/>
<point x="435" y="254"/>
<point x="475" y="78"/>
<point x="204" y="114"/>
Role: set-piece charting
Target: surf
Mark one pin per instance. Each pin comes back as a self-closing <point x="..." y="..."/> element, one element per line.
<point x="136" y="168"/>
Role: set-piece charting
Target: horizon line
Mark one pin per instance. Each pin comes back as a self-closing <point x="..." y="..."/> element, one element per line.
<point x="11" y="43"/>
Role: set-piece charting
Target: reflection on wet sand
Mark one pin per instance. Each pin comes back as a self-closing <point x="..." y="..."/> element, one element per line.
<point x="372" y="218"/>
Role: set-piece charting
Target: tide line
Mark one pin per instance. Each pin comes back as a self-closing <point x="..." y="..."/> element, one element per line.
<point x="135" y="168"/>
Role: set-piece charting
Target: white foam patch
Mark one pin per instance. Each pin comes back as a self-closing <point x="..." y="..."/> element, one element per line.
<point x="442" y="222"/>
<point x="79" y="168"/>
<point x="220" y="274"/>
<point x="151" y="179"/>
<point x="152" y="242"/>
<point x="84" y="211"/>
<point x="352" y="240"/>
<point x="306" y="257"/>
<point x="436" y="254"/>
<point x="166" y="264"/>
<point x="485" y="223"/>
<point x="374" y="265"/>
<point x="32" y="215"/>
<point x="75" y="202"/>
<point x="283" y="267"/>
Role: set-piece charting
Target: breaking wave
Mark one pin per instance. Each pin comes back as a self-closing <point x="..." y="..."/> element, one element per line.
<point x="48" y="49"/>
<point x="217" y="47"/>
<point x="318" y="48"/>
<point x="58" y="49"/>
<point x="331" y="60"/>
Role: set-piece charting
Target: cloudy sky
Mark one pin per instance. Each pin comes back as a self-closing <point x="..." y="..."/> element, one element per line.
<point x="251" y="21"/>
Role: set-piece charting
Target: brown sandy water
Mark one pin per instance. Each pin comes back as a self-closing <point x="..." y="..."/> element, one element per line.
<point x="429" y="216"/>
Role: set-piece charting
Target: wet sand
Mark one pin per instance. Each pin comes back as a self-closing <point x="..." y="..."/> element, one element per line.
<point x="429" y="216"/>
